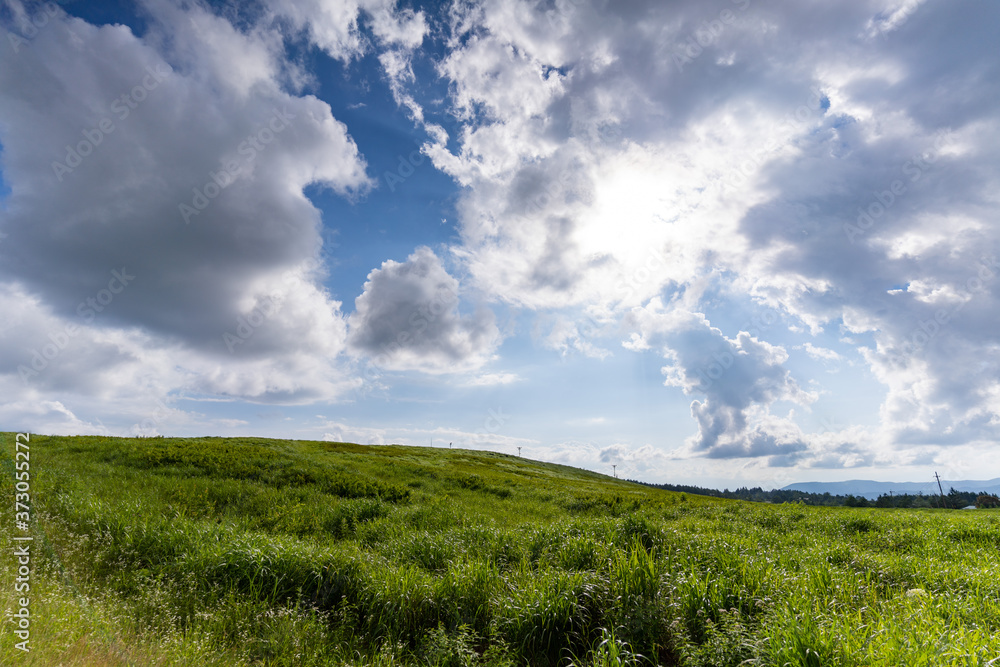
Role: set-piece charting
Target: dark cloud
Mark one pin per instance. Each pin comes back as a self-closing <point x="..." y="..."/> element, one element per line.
<point x="156" y="205"/>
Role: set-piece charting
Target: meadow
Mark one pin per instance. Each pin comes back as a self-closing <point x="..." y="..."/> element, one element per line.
<point x="212" y="551"/>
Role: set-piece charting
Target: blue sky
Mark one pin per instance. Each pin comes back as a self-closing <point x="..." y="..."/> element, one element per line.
<point x="726" y="243"/>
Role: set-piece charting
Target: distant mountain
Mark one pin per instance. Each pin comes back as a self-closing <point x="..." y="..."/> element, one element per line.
<point x="872" y="490"/>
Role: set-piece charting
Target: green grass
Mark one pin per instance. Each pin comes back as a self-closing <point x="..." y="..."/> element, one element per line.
<point x="215" y="551"/>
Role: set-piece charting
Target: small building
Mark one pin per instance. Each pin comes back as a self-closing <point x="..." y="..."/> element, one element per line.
<point x="969" y="507"/>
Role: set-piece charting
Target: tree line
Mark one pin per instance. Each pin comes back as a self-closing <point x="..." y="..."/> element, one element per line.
<point x="954" y="500"/>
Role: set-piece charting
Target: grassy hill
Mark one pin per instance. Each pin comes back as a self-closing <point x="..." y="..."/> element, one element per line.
<point x="211" y="551"/>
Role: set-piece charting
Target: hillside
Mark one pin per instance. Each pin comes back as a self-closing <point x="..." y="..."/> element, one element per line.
<point x="210" y="551"/>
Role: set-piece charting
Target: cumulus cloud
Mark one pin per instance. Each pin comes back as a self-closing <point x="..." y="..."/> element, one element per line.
<point x="156" y="202"/>
<point x="740" y="378"/>
<point x="133" y="370"/>
<point x="46" y="416"/>
<point x="408" y="319"/>
<point x="617" y="152"/>
<point x="638" y="459"/>
<point x="886" y="216"/>
<point x="336" y="28"/>
<point x="632" y="460"/>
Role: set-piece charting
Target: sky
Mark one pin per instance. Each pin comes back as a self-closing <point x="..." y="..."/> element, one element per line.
<point x="723" y="243"/>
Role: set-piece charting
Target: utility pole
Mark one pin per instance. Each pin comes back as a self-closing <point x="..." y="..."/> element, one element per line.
<point x="940" y="489"/>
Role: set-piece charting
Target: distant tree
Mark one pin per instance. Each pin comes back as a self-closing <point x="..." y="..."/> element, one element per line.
<point x="984" y="501"/>
<point x="757" y="494"/>
<point x="856" y="501"/>
<point x="959" y="499"/>
<point x="885" y="500"/>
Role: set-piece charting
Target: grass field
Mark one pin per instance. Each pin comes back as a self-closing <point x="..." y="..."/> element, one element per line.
<point x="215" y="551"/>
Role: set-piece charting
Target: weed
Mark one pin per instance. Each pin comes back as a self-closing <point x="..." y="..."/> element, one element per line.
<point x="242" y="551"/>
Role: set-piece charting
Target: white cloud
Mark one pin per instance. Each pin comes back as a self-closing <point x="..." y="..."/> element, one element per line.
<point x="408" y="319"/>
<point x="340" y="432"/>
<point x="603" y="169"/>
<point x="638" y="458"/>
<point x="129" y="369"/>
<point x="208" y="49"/>
<point x="821" y="353"/>
<point x="566" y="335"/>
<point x="334" y="26"/>
<point x="632" y="461"/>
<point x="487" y="438"/>
<point x="493" y="379"/>
<point x="34" y="414"/>
<point x="741" y="378"/>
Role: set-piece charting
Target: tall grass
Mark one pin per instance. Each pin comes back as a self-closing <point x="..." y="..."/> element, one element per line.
<point x="257" y="552"/>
